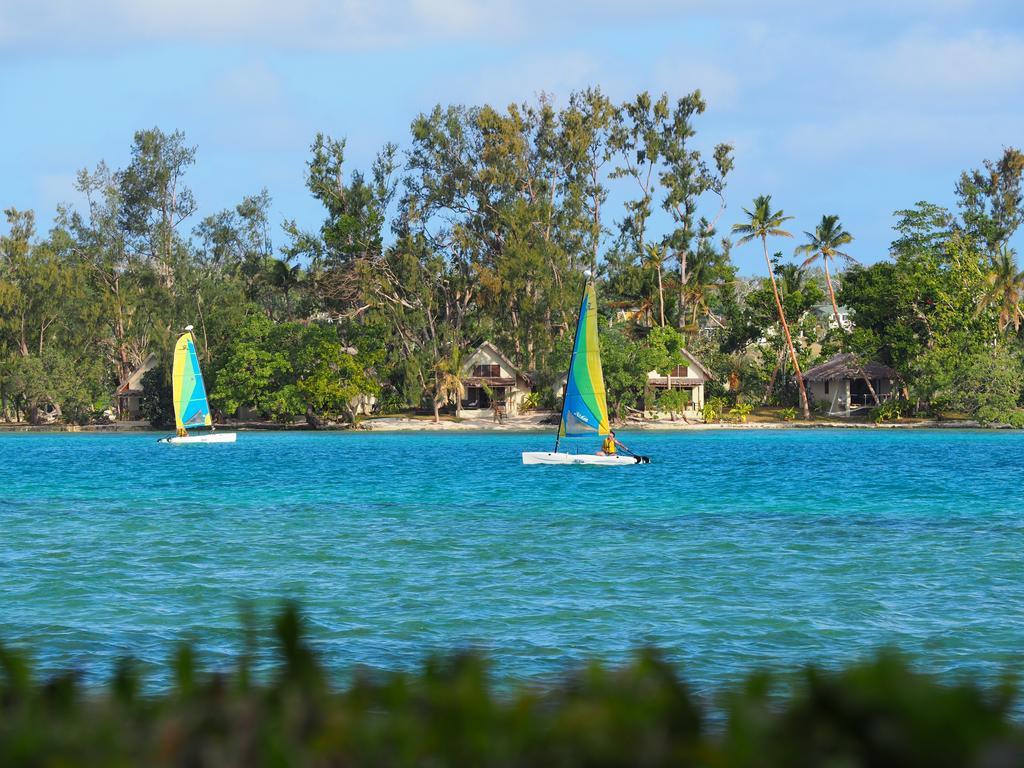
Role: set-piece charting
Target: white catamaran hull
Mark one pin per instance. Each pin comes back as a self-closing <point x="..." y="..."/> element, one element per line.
<point x="209" y="437"/>
<point x="548" y="457"/>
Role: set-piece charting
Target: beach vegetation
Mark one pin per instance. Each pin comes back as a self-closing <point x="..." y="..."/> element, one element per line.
<point x="889" y="411"/>
<point x="713" y="409"/>
<point x="479" y="226"/>
<point x="531" y="402"/>
<point x="156" y="404"/>
<point x="673" y="401"/>
<point x="740" y="412"/>
<point x="287" y="710"/>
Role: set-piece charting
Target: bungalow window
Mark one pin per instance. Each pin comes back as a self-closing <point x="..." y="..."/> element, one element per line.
<point x="826" y="386"/>
<point x="680" y="371"/>
<point x="487" y="371"/>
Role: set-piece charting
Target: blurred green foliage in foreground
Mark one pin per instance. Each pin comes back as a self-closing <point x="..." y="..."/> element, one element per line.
<point x="880" y="713"/>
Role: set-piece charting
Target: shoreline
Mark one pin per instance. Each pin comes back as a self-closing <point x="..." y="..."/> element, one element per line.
<point x="527" y="423"/>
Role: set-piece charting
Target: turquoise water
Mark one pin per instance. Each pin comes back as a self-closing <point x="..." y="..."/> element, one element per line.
<point x="732" y="550"/>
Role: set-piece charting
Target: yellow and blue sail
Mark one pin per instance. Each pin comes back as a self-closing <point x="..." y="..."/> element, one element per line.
<point x="191" y="408"/>
<point x="585" y="410"/>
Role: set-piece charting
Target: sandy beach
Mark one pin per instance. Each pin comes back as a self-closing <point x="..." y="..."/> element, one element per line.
<point x="541" y="422"/>
<point x="531" y="422"/>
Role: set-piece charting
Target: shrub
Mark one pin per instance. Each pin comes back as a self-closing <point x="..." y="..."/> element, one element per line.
<point x="740" y="411"/>
<point x="991" y="416"/>
<point x="712" y="410"/>
<point x="391" y="400"/>
<point x="673" y="401"/>
<point x="889" y="411"/>
<point x="788" y="414"/>
<point x="877" y="713"/>
<point x="530" y="402"/>
<point x="156" y="404"/>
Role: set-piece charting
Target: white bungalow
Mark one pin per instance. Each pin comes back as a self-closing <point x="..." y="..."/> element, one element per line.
<point x="826" y="314"/>
<point x="639" y="315"/>
<point x="491" y="379"/>
<point x="129" y="394"/>
<point x="841" y="383"/>
<point x="689" y="375"/>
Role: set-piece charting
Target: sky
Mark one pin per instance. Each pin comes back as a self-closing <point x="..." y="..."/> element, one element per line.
<point x="857" y="109"/>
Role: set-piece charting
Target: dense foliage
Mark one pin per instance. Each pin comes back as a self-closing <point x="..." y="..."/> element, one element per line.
<point x="481" y="227"/>
<point x="878" y="713"/>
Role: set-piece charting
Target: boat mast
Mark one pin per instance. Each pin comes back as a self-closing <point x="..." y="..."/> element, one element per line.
<point x="572" y="358"/>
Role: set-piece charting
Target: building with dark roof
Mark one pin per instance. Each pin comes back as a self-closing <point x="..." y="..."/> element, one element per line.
<point x="842" y="383"/>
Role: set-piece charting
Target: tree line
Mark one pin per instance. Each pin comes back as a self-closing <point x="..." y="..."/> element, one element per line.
<point x="481" y="226"/>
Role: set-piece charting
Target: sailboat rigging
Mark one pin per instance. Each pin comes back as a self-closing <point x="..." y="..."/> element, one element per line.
<point x="191" y="406"/>
<point x="584" y="407"/>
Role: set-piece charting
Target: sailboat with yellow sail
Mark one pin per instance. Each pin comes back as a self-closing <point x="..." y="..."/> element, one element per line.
<point x="584" y="407"/>
<point x="191" y="407"/>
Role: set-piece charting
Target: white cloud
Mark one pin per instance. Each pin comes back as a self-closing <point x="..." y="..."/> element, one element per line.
<point x="311" y="24"/>
<point x="919" y="98"/>
<point x="973" y="64"/>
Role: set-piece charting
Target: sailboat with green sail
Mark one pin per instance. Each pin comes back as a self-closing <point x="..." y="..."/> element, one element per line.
<point x="584" y="407"/>
<point x="191" y="406"/>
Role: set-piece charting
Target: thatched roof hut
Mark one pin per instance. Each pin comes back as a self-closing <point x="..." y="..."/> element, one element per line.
<point x="845" y="366"/>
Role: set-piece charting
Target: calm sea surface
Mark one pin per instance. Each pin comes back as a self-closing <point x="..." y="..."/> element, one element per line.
<point x="732" y="550"/>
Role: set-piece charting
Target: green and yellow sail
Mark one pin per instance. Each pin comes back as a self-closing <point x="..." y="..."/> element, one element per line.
<point x="585" y="410"/>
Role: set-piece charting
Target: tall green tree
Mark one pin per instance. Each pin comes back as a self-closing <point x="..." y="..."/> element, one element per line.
<point x="686" y="178"/>
<point x="991" y="200"/>
<point x="762" y="223"/>
<point x="1004" y="290"/>
<point x="154" y="197"/>
<point x="824" y="244"/>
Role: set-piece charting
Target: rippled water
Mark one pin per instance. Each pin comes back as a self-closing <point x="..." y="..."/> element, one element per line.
<point x="731" y="550"/>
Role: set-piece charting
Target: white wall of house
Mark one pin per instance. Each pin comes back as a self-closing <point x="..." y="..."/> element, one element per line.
<point x="836" y="394"/>
<point x="685" y="370"/>
<point x="497" y="367"/>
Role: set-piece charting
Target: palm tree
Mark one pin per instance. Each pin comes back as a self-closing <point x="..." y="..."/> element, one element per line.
<point x="761" y="222"/>
<point x="1005" y="290"/>
<point x="284" y="277"/>
<point x="700" y="281"/>
<point x="824" y="243"/>
<point x="656" y="259"/>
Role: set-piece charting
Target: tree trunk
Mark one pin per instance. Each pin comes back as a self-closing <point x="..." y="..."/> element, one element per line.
<point x="789" y="339"/>
<point x="23" y="339"/>
<point x="682" y="289"/>
<point x="832" y="295"/>
<point x="661" y="294"/>
<point x="312" y="419"/>
<point x="871" y="388"/>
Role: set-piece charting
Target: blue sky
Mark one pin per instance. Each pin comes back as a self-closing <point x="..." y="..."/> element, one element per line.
<point x="849" y="108"/>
